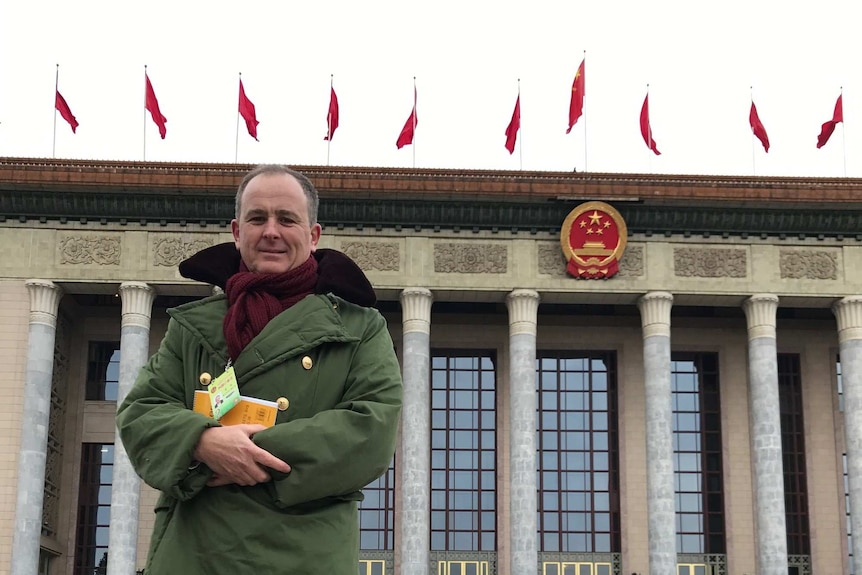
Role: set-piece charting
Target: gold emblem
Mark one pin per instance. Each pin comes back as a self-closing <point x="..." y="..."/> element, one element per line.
<point x="205" y="378"/>
<point x="283" y="403"/>
<point x="306" y="362"/>
<point x="593" y="239"/>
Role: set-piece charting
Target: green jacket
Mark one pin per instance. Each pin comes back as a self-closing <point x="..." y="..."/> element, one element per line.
<point x="338" y="435"/>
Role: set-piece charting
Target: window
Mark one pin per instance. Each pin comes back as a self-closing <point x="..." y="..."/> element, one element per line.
<point x="692" y="569"/>
<point x="578" y="479"/>
<point x="571" y="568"/>
<point x="56" y="431"/>
<point x="376" y="513"/>
<point x="840" y="385"/>
<point x="94" y="509"/>
<point x="103" y="370"/>
<point x="372" y="567"/>
<point x="793" y="454"/>
<point x="463" y="454"/>
<point x="844" y="462"/>
<point x="697" y="453"/>
<point x="847" y="513"/>
<point x="463" y="568"/>
<point x="45" y="560"/>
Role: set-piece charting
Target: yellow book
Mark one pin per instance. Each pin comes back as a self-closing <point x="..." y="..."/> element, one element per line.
<point x="249" y="410"/>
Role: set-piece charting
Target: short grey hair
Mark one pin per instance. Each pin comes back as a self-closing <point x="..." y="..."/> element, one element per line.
<point x="269" y="169"/>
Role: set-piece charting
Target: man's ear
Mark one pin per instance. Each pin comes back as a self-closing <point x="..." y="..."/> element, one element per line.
<point x="234" y="228"/>
<point x="315" y="236"/>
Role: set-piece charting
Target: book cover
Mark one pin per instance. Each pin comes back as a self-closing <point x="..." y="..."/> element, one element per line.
<point x="249" y="410"/>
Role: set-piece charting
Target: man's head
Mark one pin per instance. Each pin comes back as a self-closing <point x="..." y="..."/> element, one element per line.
<point x="275" y="228"/>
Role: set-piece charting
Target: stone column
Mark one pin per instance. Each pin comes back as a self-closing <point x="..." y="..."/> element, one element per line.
<point x="126" y="485"/>
<point x="848" y="312"/>
<point x="523" y="307"/>
<point x="32" y="454"/>
<point x="655" y="318"/>
<point x="765" y="418"/>
<point x="416" y="432"/>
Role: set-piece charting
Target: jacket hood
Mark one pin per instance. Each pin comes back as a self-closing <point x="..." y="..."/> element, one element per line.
<point x="336" y="272"/>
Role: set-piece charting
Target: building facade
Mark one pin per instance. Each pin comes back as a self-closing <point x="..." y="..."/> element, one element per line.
<point x="699" y="412"/>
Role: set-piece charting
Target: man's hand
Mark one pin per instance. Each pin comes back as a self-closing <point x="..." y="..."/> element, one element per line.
<point x="233" y="456"/>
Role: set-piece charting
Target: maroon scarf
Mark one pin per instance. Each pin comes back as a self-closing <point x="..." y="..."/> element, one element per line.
<point x="254" y="299"/>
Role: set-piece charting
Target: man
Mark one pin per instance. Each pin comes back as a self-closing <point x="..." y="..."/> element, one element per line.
<point x="294" y="326"/>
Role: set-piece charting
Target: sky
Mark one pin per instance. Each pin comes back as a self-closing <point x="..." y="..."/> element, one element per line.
<point x="701" y="62"/>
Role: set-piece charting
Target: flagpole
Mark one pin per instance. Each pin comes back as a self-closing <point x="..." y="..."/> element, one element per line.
<point x="236" y="140"/>
<point x="649" y="134"/>
<point x="521" y="145"/>
<point x="329" y="120"/>
<point x="843" y="130"/>
<point x="753" y="151"/>
<point x="56" y="90"/>
<point x="585" y="111"/>
<point x="414" y="122"/>
<point x="145" y="112"/>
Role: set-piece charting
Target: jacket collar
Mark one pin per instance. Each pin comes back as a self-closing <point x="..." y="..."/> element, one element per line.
<point x="336" y="272"/>
<point x="304" y="326"/>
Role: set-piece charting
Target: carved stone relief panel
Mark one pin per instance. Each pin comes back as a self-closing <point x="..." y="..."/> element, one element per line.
<point x="710" y="263"/>
<point x="84" y="248"/>
<point x="808" y="264"/>
<point x="632" y="262"/>
<point x="472" y="258"/>
<point x="374" y="256"/>
<point x="551" y="259"/>
<point x="171" y="250"/>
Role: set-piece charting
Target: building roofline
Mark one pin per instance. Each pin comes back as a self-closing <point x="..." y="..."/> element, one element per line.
<point x="163" y="177"/>
<point x="44" y="190"/>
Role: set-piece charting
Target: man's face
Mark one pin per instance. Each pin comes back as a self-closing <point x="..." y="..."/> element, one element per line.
<point x="272" y="233"/>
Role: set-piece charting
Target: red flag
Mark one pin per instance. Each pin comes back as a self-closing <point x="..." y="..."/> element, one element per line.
<point x="152" y="105"/>
<point x="757" y="128"/>
<point x="62" y="107"/>
<point x="646" y="130"/>
<point x="514" y="126"/>
<point x="405" y="138"/>
<point x="332" y="115"/>
<point x="828" y="127"/>
<point x="246" y="110"/>
<point x="576" y="106"/>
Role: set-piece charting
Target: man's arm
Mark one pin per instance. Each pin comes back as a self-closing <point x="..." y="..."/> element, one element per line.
<point x="158" y="430"/>
<point x="341" y="450"/>
<point x="167" y="442"/>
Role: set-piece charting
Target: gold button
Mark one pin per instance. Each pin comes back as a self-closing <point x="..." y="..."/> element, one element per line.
<point x="306" y="362"/>
<point x="205" y="378"/>
<point x="283" y="403"/>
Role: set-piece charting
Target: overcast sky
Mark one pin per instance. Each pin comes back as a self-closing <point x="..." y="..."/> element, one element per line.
<point x="700" y="59"/>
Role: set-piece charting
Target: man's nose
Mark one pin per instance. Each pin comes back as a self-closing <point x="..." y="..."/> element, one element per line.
<point x="270" y="229"/>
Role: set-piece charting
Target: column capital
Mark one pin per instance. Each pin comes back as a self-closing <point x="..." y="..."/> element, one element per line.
<point x="138" y="300"/>
<point x="44" y="301"/>
<point x="760" y="311"/>
<point x="416" y="310"/>
<point x="848" y="312"/>
<point x="523" y="306"/>
<point x="655" y="309"/>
